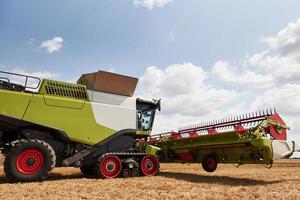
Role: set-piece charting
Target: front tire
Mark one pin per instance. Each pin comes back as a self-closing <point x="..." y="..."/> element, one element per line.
<point x="29" y="160"/>
<point x="209" y="163"/>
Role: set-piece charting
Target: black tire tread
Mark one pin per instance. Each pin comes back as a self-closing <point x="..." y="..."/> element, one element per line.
<point x="204" y="163"/>
<point x="9" y="167"/>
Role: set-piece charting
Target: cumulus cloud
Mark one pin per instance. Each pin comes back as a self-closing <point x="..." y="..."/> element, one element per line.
<point x="286" y="98"/>
<point x="233" y="74"/>
<point x="53" y="45"/>
<point x="282" y="57"/>
<point x="281" y="68"/>
<point x="278" y="64"/>
<point x="286" y="41"/>
<point x="184" y="91"/>
<point x="151" y="3"/>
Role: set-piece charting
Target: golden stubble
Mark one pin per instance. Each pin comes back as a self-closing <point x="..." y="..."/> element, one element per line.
<point x="174" y="182"/>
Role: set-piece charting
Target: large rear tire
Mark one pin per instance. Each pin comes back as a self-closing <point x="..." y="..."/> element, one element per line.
<point x="29" y="160"/>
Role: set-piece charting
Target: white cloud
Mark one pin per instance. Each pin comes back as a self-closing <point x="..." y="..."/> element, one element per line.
<point x="286" y="99"/>
<point x="52" y="45"/>
<point x="151" y="3"/>
<point x="277" y="65"/>
<point x="281" y="68"/>
<point x="282" y="58"/>
<point x="233" y="74"/>
<point x="286" y="41"/>
<point x="184" y="91"/>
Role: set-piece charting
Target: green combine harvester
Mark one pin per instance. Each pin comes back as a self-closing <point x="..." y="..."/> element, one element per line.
<point x="98" y="126"/>
<point x="93" y="125"/>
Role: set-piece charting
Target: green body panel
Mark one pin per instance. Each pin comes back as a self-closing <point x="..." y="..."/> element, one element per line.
<point x="14" y="104"/>
<point x="63" y="103"/>
<point x="227" y="147"/>
<point x="75" y="117"/>
<point x="153" y="150"/>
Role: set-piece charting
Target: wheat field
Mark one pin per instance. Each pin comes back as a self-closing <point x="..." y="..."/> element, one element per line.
<point x="175" y="181"/>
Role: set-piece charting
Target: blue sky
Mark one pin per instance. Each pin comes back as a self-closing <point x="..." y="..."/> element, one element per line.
<point x="204" y="58"/>
<point x="117" y="34"/>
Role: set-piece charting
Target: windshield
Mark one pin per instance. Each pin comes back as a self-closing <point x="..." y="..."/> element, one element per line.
<point x="146" y="112"/>
<point x="147" y="119"/>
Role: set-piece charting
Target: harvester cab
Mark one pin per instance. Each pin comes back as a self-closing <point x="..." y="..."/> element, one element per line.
<point x="146" y="113"/>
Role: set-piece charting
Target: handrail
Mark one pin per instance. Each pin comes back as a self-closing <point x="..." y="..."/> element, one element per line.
<point x="4" y="78"/>
<point x="26" y="79"/>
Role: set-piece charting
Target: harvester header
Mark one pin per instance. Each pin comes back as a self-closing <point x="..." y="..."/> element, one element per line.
<point x="253" y="138"/>
<point x="242" y="124"/>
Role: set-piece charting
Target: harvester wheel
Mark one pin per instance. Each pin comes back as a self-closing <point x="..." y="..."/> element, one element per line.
<point x="149" y="165"/>
<point x="209" y="163"/>
<point x="29" y="160"/>
<point x="88" y="170"/>
<point x="110" y="166"/>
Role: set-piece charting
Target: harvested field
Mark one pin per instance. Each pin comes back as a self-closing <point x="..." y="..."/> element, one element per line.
<point x="176" y="181"/>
